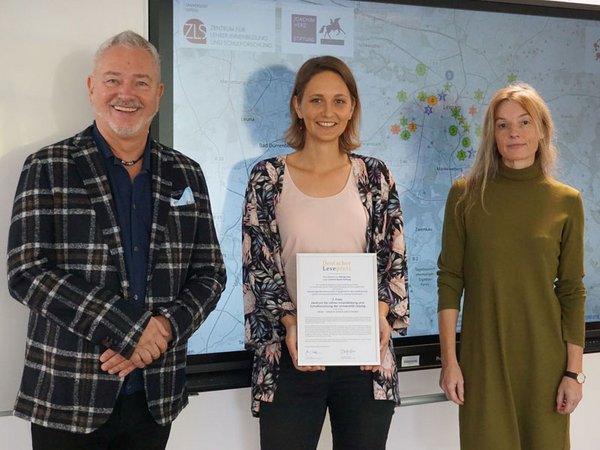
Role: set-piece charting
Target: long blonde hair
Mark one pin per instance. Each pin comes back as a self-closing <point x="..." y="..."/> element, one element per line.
<point x="487" y="160"/>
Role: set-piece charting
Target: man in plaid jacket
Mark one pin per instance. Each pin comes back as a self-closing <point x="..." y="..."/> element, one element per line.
<point x="112" y="247"/>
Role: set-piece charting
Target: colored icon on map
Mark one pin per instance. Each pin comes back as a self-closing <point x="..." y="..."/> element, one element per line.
<point x="461" y="155"/>
<point x="421" y="69"/>
<point x="466" y="142"/>
<point x="453" y="130"/>
<point x="449" y="75"/>
<point x="405" y="135"/>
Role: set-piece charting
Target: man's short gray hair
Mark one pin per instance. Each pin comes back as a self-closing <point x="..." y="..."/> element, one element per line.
<point x="128" y="39"/>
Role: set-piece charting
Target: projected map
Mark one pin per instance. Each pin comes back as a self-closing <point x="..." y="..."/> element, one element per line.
<point x="425" y="76"/>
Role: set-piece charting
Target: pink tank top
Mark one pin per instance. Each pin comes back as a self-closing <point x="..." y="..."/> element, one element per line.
<point x="334" y="224"/>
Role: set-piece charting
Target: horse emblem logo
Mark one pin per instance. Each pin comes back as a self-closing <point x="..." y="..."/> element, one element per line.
<point x="327" y="30"/>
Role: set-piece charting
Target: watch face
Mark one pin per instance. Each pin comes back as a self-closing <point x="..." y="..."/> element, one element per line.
<point x="580" y="378"/>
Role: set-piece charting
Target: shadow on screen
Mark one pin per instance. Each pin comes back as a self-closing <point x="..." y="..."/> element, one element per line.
<point x="266" y="115"/>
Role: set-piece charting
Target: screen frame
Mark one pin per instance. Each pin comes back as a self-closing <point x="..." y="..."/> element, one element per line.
<point x="232" y="370"/>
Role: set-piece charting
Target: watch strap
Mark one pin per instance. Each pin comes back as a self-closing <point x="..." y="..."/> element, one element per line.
<point x="575" y="376"/>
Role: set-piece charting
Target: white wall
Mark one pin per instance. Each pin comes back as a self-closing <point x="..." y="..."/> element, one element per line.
<point x="47" y="48"/>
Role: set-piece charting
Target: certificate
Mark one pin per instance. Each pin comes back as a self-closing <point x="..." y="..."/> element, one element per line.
<point x="338" y="311"/>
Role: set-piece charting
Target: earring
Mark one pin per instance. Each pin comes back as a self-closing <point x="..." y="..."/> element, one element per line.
<point x="300" y="125"/>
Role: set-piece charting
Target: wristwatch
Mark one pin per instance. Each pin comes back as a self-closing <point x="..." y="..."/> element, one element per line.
<point x="579" y="376"/>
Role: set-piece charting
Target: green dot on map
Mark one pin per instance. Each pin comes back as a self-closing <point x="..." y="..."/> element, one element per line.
<point x="461" y="155"/>
<point x="453" y="130"/>
<point x="421" y="69"/>
<point x="466" y="142"/>
<point x="405" y="135"/>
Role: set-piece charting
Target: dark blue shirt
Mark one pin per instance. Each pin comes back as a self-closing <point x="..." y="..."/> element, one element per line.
<point x="133" y="201"/>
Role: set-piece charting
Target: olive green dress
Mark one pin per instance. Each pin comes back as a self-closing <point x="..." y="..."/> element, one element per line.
<point x="521" y="267"/>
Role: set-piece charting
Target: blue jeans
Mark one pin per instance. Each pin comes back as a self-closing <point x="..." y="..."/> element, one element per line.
<point x="293" y="421"/>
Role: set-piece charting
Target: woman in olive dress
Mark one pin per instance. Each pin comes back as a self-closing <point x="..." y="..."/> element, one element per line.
<point x="513" y="244"/>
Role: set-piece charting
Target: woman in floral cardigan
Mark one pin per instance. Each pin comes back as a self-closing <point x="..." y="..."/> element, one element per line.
<point x="320" y="199"/>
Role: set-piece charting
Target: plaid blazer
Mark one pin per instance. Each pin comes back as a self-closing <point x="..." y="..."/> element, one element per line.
<point x="66" y="264"/>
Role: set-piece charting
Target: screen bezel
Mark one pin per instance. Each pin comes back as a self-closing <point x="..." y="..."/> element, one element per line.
<point x="231" y="370"/>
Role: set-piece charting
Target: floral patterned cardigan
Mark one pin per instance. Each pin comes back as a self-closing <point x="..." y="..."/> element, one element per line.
<point x="266" y="298"/>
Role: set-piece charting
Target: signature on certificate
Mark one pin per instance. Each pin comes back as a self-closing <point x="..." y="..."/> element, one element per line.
<point x="347" y="353"/>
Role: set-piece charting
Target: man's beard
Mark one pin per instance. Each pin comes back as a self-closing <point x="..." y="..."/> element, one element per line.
<point x="127" y="131"/>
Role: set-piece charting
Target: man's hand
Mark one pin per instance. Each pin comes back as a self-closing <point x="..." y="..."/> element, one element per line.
<point x="153" y="343"/>
<point x="113" y="362"/>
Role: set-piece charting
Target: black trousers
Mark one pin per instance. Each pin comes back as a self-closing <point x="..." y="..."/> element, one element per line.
<point x="130" y="427"/>
<point x="293" y="421"/>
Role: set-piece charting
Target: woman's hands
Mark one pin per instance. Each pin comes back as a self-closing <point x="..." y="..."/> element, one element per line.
<point x="569" y="394"/>
<point x="385" y="334"/>
<point x="452" y="382"/>
<point x="291" y="341"/>
<point x="451" y="377"/>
